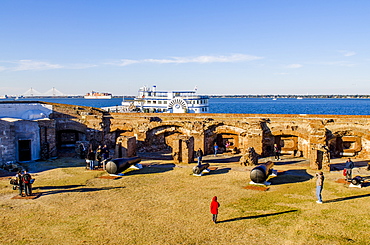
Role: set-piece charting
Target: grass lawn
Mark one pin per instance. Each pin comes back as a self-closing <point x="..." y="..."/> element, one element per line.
<point x="165" y="204"/>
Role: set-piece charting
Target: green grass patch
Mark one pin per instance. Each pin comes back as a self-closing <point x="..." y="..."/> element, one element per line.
<point x="166" y="205"/>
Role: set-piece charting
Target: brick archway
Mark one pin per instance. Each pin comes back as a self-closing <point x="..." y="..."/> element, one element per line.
<point x="161" y="138"/>
<point x="221" y="134"/>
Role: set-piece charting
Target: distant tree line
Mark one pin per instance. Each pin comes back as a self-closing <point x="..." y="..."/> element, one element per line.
<point x="293" y="96"/>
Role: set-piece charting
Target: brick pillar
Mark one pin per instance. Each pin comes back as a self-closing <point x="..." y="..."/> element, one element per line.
<point x="176" y="150"/>
<point x="313" y="155"/>
<point x="125" y="147"/>
<point x="199" y="142"/>
<point x="183" y="149"/>
<point x="255" y="141"/>
<point x="319" y="157"/>
<point x="254" y="138"/>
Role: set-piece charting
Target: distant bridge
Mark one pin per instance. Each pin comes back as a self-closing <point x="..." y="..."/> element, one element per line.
<point x="51" y="92"/>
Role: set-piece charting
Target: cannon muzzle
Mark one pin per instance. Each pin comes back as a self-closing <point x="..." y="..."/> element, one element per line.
<point x="260" y="173"/>
<point x="357" y="180"/>
<point x="118" y="165"/>
<point x="199" y="168"/>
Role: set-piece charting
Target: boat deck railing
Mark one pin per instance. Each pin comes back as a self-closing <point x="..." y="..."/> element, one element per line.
<point x="196" y="97"/>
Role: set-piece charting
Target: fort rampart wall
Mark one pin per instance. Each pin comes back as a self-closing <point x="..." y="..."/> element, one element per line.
<point x="315" y="137"/>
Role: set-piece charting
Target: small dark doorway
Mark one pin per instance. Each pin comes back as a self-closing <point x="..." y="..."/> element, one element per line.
<point x="66" y="142"/>
<point x="24" y="150"/>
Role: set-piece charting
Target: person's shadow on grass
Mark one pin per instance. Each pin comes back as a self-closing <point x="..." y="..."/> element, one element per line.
<point x="347" y="198"/>
<point x="256" y="216"/>
<point x="71" y="188"/>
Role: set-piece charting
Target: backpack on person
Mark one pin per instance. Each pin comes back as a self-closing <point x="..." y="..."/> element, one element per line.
<point x="26" y="178"/>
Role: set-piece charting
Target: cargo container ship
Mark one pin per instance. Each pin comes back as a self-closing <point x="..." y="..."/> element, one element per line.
<point x="98" y="95"/>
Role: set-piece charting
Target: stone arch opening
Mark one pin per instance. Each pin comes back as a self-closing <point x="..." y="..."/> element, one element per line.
<point x="160" y="139"/>
<point x="288" y="145"/>
<point x="66" y="141"/>
<point x="291" y="142"/>
<point x="228" y="138"/>
<point x="348" y="142"/>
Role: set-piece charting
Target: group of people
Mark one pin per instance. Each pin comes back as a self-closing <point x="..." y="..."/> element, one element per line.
<point x="199" y="153"/>
<point x="99" y="156"/>
<point x="215" y="147"/>
<point x="24" y="181"/>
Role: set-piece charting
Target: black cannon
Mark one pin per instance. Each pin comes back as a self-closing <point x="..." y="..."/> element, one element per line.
<point x="359" y="180"/>
<point x="200" y="168"/>
<point x="260" y="173"/>
<point x="118" y="165"/>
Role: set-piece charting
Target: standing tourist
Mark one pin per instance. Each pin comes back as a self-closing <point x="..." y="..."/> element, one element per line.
<point x="20" y="182"/>
<point x="319" y="186"/>
<point x="82" y="150"/>
<point x="227" y="145"/>
<point x="105" y="152"/>
<point x="215" y="146"/>
<point x="349" y="167"/>
<point x="199" y="155"/>
<point x="99" y="155"/>
<point x="26" y="177"/>
<point x="90" y="159"/>
<point x="276" y="152"/>
<point x="214" y="209"/>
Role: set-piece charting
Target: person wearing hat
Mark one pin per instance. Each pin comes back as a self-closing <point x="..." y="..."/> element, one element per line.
<point x="214" y="209"/>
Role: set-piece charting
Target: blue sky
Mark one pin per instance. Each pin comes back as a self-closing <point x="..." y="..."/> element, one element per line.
<point x="222" y="47"/>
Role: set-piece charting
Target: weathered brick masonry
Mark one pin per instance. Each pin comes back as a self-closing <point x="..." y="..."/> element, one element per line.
<point x="315" y="137"/>
<point x="310" y="136"/>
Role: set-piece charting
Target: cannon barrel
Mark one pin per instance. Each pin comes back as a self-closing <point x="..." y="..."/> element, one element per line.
<point x="357" y="180"/>
<point x="199" y="169"/>
<point x="260" y="173"/>
<point x="118" y="165"/>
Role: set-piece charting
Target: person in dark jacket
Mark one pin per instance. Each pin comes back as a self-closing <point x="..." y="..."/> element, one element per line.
<point x="349" y="167"/>
<point x="82" y="150"/>
<point x="199" y="155"/>
<point x="20" y="182"/>
<point x="214" y="209"/>
<point x="99" y="155"/>
<point x="27" y="183"/>
<point x="105" y="152"/>
<point x="276" y="152"/>
<point x="90" y="159"/>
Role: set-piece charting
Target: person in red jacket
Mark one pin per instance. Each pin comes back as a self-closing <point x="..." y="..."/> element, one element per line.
<point x="214" y="209"/>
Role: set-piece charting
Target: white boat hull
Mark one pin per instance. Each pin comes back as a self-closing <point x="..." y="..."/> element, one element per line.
<point x="99" y="97"/>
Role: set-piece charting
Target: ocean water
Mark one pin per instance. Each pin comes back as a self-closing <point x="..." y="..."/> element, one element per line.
<point x="291" y="106"/>
<point x="249" y="105"/>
